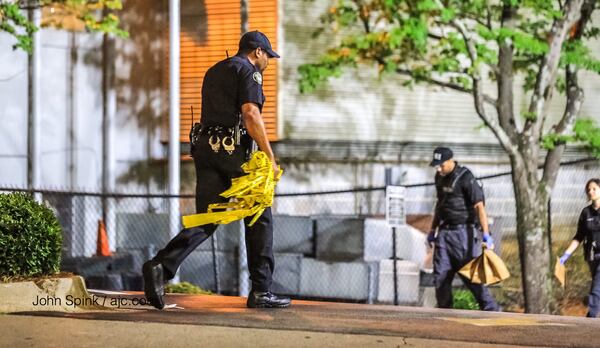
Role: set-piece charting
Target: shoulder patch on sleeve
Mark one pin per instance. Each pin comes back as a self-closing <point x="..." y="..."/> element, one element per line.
<point x="257" y="77"/>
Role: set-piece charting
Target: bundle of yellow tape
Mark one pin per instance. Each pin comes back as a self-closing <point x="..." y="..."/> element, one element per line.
<point x="251" y="194"/>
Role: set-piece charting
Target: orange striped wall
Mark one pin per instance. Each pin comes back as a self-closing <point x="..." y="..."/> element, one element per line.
<point x="220" y="32"/>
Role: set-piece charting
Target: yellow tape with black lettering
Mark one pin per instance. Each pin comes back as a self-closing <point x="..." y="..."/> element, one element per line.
<point x="250" y="195"/>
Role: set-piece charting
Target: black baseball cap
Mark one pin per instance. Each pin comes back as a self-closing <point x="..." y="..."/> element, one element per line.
<point x="440" y="155"/>
<point x="256" y="39"/>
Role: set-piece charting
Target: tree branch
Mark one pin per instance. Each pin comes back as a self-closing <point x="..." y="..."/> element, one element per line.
<point x="505" y="79"/>
<point x="479" y="21"/>
<point x="563" y="128"/>
<point x="547" y="73"/>
<point x="446" y="84"/>
<point x="435" y="37"/>
<point x="574" y="100"/>
<point x="495" y="127"/>
<point x="363" y="15"/>
<point x="489" y="14"/>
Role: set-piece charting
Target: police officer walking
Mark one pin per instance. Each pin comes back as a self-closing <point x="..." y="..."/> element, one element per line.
<point x="459" y="218"/>
<point x="232" y="102"/>
<point x="588" y="233"/>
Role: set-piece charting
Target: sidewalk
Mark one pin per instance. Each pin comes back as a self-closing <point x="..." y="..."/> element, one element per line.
<point x="225" y="321"/>
<point x="16" y="331"/>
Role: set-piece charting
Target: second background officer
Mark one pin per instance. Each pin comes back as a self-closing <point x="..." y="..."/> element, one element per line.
<point x="459" y="218"/>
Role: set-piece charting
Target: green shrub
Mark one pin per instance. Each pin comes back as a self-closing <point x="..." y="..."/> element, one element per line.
<point x="186" y="288"/>
<point x="464" y="299"/>
<point x="30" y="237"/>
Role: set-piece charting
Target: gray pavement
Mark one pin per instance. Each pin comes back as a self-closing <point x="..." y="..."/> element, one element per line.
<point x="36" y="331"/>
<point x="225" y="321"/>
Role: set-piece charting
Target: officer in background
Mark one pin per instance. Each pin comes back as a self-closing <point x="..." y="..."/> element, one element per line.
<point x="232" y="102"/>
<point x="588" y="233"/>
<point x="459" y="218"/>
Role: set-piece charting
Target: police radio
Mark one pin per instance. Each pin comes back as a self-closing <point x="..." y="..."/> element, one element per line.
<point x="194" y="132"/>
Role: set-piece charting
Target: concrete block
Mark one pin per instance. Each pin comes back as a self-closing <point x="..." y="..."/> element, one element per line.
<point x="59" y="294"/>
<point x="342" y="238"/>
<point x="377" y="240"/>
<point x="426" y="278"/>
<point x="292" y="234"/>
<point x="227" y="237"/>
<point x="286" y="278"/>
<point x="106" y="281"/>
<point x="339" y="238"/>
<point x="198" y="269"/>
<point x="407" y="282"/>
<point x="340" y="280"/>
<point x="411" y="245"/>
<point x="138" y="256"/>
<point x="427" y="298"/>
<point x="97" y="265"/>
<point x="135" y="230"/>
<point x="132" y="281"/>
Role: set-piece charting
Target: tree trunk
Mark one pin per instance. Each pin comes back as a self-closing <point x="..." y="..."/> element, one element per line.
<point x="532" y="234"/>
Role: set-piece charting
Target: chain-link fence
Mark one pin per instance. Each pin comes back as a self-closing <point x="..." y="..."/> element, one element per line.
<point x="328" y="245"/>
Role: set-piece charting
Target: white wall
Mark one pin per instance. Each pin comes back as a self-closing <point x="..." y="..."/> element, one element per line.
<point x="13" y="114"/>
<point x="71" y="104"/>
<point x="359" y="107"/>
<point x="65" y="96"/>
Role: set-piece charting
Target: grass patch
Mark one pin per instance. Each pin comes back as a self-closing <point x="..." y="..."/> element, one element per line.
<point x="186" y="288"/>
<point x="569" y="300"/>
<point x="464" y="299"/>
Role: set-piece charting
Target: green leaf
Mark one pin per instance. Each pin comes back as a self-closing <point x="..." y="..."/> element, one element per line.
<point x="14" y="22"/>
<point x="588" y="132"/>
<point x="531" y="116"/>
<point x="427" y="5"/>
<point x="549" y="141"/>
<point x="448" y="14"/>
<point x="578" y="54"/>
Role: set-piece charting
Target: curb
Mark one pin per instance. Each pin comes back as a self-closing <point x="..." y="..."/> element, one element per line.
<point x="52" y="294"/>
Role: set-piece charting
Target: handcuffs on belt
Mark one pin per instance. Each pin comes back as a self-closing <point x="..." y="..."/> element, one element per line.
<point x="217" y="138"/>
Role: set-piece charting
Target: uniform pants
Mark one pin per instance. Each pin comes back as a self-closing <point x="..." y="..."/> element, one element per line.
<point x="214" y="172"/>
<point x="594" y="298"/>
<point x="454" y="248"/>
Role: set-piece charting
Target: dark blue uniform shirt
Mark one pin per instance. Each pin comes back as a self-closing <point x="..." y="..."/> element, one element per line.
<point x="227" y="86"/>
<point x="588" y="229"/>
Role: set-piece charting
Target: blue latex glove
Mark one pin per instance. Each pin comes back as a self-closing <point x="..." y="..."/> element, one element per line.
<point x="431" y="238"/>
<point x="564" y="258"/>
<point x="488" y="240"/>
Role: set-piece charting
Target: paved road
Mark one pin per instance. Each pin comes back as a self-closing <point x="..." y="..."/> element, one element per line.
<point x="308" y="324"/>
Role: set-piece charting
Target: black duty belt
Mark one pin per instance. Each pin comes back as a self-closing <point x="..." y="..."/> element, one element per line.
<point x="457" y="226"/>
<point x="228" y="137"/>
<point x="220" y="130"/>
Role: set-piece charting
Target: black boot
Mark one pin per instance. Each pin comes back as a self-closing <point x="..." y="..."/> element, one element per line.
<point x="267" y="300"/>
<point x="153" y="283"/>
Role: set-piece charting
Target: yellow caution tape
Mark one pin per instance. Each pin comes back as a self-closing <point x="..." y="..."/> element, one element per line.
<point x="251" y="194"/>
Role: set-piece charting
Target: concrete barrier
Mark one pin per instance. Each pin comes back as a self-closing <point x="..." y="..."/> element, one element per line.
<point x="198" y="269"/>
<point x="53" y="294"/>
<point x="407" y="282"/>
<point x="341" y="280"/>
<point x="286" y="279"/>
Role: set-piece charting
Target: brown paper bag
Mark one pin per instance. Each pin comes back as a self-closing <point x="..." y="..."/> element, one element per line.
<point x="560" y="272"/>
<point x="487" y="268"/>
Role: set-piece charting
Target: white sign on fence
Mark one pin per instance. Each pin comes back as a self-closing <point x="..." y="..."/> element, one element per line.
<point x="395" y="209"/>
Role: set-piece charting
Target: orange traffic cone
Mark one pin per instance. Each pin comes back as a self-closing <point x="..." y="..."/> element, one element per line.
<point x="102" y="248"/>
